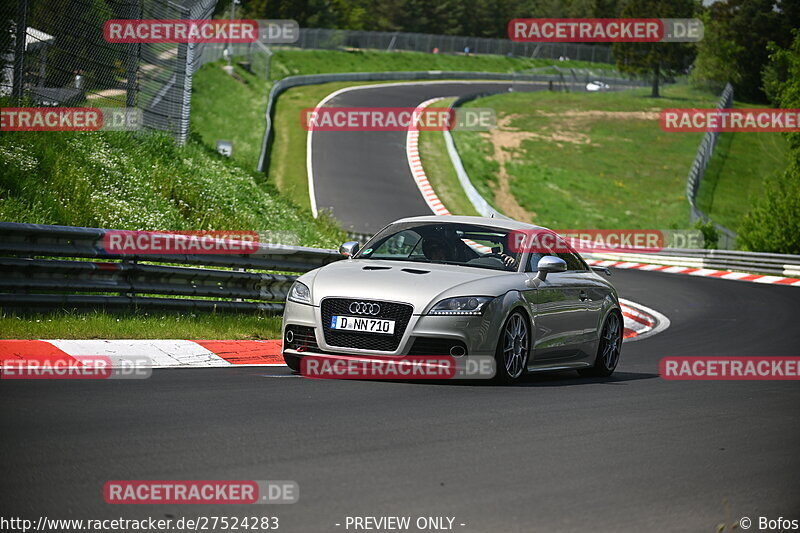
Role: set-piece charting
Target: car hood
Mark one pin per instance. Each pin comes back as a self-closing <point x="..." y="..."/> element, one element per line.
<point x="404" y="281"/>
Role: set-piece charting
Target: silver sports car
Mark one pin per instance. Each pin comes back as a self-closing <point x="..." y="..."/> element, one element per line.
<point x="460" y="286"/>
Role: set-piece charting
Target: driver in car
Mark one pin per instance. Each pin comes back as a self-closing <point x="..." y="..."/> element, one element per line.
<point x="436" y="249"/>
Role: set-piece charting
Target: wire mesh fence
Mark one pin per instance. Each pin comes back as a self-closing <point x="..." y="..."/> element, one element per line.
<point x="54" y="54"/>
<point x="317" y="38"/>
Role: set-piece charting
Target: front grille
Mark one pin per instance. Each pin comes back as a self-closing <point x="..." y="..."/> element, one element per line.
<point x="400" y="313"/>
<point x="304" y="339"/>
<point x="433" y="346"/>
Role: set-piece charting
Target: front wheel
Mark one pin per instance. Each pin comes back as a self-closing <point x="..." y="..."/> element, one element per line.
<point x="513" y="347"/>
<point x="608" y="348"/>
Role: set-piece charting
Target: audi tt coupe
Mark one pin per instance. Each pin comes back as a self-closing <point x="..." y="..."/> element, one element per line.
<point x="460" y="286"/>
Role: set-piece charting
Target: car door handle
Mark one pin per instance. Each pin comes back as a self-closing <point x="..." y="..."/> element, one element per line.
<point x="584" y="297"/>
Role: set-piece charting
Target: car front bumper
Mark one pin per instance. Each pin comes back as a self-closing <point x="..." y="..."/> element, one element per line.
<point x="477" y="334"/>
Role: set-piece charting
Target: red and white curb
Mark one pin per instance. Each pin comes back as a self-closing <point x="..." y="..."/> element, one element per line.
<point x="414" y="162"/>
<point x="162" y="353"/>
<point x="421" y="179"/>
<point x="639" y="322"/>
<point x="702" y="272"/>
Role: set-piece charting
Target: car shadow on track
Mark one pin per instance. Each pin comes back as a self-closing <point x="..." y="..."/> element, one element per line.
<point x="561" y="379"/>
<point x="549" y="379"/>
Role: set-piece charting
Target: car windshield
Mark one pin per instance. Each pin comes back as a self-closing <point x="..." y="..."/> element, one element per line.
<point x="451" y="243"/>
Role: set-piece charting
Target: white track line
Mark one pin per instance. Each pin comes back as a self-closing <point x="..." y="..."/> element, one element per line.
<point x="309" y="165"/>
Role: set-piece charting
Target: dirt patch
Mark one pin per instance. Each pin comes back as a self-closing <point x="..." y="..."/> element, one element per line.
<point x="614" y="115"/>
<point x="567" y="127"/>
<point x="505" y="142"/>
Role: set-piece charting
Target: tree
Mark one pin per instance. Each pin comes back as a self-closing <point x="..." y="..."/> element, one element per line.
<point x="773" y="223"/>
<point x="735" y="45"/>
<point x="659" y="60"/>
<point x="716" y="64"/>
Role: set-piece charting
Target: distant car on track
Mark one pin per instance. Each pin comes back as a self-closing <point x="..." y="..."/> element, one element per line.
<point x="597" y="85"/>
<point x="456" y="285"/>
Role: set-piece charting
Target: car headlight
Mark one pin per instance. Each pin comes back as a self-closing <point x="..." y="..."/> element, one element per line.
<point x="462" y="305"/>
<point x="300" y="293"/>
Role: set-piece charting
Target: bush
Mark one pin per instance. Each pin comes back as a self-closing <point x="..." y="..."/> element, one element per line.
<point x="773" y="224"/>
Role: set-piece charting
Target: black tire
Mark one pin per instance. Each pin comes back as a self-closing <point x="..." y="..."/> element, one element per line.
<point x="514" y="341"/>
<point x="292" y="361"/>
<point x="608" y="349"/>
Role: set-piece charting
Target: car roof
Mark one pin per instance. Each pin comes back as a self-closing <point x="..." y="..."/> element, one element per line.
<point x="500" y="223"/>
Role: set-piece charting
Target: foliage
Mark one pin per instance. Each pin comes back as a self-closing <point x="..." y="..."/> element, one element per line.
<point x="133" y="181"/>
<point x="716" y="53"/>
<point x="773" y="225"/>
<point x="710" y="233"/>
<point x="735" y="45"/>
<point x="475" y="18"/>
<point x="660" y="60"/>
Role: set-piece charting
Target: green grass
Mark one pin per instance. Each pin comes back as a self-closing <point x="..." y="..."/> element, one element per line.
<point x="735" y="175"/>
<point x="98" y="325"/>
<point x="224" y="108"/>
<point x="287" y="164"/>
<point x="141" y="182"/>
<point x="440" y="171"/>
<point x="296" y="62"/>
<point x="577" y="170"/>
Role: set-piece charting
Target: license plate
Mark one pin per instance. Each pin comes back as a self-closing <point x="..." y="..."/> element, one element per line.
<point x="363" y="325"/>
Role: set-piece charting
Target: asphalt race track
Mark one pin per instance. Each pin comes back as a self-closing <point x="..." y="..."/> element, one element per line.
<point x="362" y="177"/>
<point x="557" y="453"/>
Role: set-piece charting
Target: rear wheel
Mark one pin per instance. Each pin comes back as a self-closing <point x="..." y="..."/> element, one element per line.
<point x="513" y="348"/>
<point x="608" y="348"/>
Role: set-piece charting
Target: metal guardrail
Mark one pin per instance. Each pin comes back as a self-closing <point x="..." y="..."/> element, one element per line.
<point x="698" y="170"/>
<point x="46" y="268"/>
<point x="332" y="39"/>
<point x="55" y="267"/>
<point x="751" y="262"/>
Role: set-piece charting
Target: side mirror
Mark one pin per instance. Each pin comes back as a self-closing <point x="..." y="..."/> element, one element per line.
<point x="548" y="264"/>
<point x="349" y="249"/>
<point x="603" y="270"/>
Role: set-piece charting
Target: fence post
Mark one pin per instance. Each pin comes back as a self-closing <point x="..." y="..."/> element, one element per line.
<point x="132" y="59"/>
<point x="20" y="36"/>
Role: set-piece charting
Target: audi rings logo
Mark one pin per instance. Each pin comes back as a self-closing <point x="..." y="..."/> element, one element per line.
<point x="364" y="308"/>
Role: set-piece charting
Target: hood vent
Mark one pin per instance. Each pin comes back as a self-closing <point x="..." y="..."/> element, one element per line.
<point x="376" y="268"/>
<point x="415" y="271"/>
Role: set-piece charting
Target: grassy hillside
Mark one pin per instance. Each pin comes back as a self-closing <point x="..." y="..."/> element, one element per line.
<point x="736" y="173"/>
<point x="294" y="62"/>
<point x="126" y="181"/>
<point x="596" y="160"/>
<point x="224" y="108"/>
